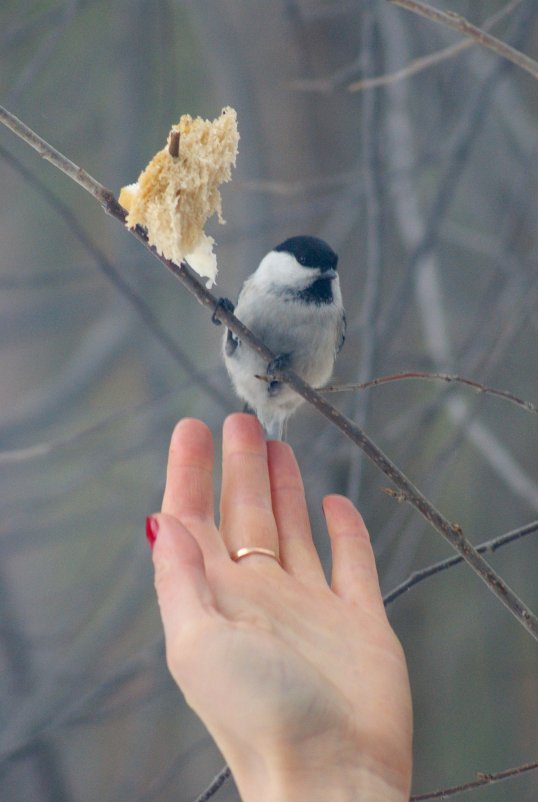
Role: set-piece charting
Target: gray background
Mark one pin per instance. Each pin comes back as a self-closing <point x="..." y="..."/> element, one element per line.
<point x="426" y="187"/>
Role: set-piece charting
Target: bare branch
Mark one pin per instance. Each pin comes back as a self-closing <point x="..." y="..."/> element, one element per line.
<point x="490" y="545"/>
<point x="214" y="785"/>
<point x="445" y="377"/>
<point x="450" y="531"/>
<point x="481" y="779"/>
<point x="425" y="62"/>
<point x="458" y="23"/>
<point x="418" y="65"/>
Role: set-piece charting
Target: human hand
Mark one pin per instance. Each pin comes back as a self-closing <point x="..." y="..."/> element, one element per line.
<point x="303" y="686"/>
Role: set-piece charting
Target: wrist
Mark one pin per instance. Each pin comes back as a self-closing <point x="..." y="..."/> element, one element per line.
<point x="365" y="788"/>
<point x="349" y="783"/>
<point x="359" y="787"/>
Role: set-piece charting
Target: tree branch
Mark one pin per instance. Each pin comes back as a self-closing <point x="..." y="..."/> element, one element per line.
<point x="450" y="531"/>
<point x="482" y="779"/>
<point x="219" y="779"/>
<point x="445" y="377"/>
<point x="490" y="545"/>
<point x="425" y="62"/>
<point x="458" y="23"/>
<point x="417" y="65"/>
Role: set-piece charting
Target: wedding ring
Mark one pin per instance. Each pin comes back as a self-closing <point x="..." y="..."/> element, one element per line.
<point x="246" y="552"/>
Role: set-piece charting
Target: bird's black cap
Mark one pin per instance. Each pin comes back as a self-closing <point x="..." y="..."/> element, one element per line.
<point x="310" y="252"/>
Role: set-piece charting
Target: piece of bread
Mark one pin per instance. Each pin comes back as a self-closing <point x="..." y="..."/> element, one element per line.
<point x="179" y="190"/>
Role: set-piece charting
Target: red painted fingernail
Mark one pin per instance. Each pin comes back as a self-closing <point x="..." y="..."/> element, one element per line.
<point x="152" y="530"/>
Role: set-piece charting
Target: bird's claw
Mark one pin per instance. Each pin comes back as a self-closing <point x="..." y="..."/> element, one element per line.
<point x="279" y="363"/>
<point x="222" y="303"/>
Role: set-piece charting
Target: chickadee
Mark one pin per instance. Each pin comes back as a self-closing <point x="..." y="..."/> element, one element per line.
<point x="293" y="303"/>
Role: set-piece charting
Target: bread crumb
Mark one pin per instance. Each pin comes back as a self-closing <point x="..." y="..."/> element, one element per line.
<point x="176" y="195"/>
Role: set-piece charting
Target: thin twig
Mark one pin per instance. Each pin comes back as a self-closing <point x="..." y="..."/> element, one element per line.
<point x="481" y="779"/>
<point x="223" y="775"/>
<point x="417" y="65"/>
<point x="425" y="62"/>
<point x="445" y="377"/>
<point x="174" y="139"/>
<point x="450" y="531"/>
<point x="458" y="23"/>
<point x="490" y="545"/>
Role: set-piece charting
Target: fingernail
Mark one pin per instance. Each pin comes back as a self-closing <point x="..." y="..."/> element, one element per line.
<point x="152" y="530"/>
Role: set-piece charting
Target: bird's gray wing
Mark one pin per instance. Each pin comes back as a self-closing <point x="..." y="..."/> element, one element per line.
<point x="341" y="334"/>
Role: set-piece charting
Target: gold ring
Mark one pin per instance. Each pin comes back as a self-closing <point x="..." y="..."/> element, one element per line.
<point x="246" y="552"/>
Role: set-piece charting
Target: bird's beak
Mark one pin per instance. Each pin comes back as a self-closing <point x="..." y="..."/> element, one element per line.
<point x="330" y="274"/>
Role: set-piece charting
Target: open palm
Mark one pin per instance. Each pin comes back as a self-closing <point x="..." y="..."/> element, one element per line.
<point x="303" y="686"/>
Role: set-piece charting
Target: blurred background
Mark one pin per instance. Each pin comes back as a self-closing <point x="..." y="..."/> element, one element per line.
<point x="426" y="186"/>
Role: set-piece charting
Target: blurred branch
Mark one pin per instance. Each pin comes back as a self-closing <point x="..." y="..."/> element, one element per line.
<point x="116" y="279"/>
<point x="450" y="531"/>
<point x="490" y="545"/>
<point x="481" y="779"/>
<point x="372" y="255"/>
<point x="458" y="23"/>
<point x="469" y="125"/>
<point x="445" y="377"/>
<point x="47" y="47"/>
<point x="425" y="62"/>
<point x="23" y="673"/>
<point x="415" y="66"/>
<point x="101" y="194"/>
<point x="131" y="412"/>
<point x="426" y="279"/>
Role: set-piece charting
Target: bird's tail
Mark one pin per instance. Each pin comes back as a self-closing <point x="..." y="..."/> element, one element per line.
<point x="276" y="429"/>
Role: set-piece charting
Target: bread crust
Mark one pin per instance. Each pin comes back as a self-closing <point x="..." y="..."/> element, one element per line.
<point x="175" y="195"/>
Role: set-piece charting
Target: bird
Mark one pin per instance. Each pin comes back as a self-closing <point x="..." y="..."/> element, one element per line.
<point x="293" y="303"/>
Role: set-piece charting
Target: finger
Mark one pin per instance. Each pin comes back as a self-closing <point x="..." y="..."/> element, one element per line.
<point x="297" y="551"/>
<point x="185" y="598"/>
<point x="246" y="511"/>
<point x="354" y="573"/>
<point x="188" y="493"/>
